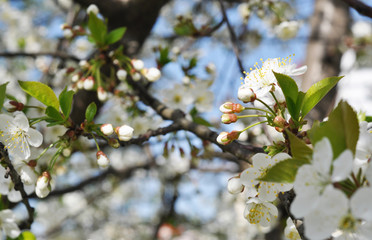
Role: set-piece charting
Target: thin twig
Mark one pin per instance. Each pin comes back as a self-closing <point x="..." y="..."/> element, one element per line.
<point x="234" y="39"/>
<point x="59" y="55"/>
<point x="18" y="185"/>
<point x="360" y="7"/>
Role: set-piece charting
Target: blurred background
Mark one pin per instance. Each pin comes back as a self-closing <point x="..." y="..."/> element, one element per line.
<point x="174" y="186"/>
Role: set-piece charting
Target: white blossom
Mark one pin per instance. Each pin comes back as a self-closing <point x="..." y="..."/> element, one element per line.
<point x="290" y="230"/>
<point x="8" y="224"/>
<point x="121" y="74"/>
<point x="92" y="8"/>
<point x="364" y="146"/>
<point x="312" y="179"/>
<point x="107" y="129"/>
<point x="138" y="64"/>
<point x="16" y="134"/>
<point x="152" y="74"/>
<point x="124" y="132"/>
<point x="88" y="83"/>
<point x="287" y="29"/>
<point x="260" y="212"/>
<point x="234" y="185"/>
<point x="267" y="191"/>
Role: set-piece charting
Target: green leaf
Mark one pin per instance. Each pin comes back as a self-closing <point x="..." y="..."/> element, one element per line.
<point x="316" y="92"/>
<point x="53" y="113"/>
<point x="201" y="121"/>
<point x="342" y="129"/>
<point x="2" y="94"/>
<point x="368" y="119"/>
<point x="285" y="171"/>
<point x="185" y="27"/>
<point x="91" y="112"/>
<point x="41" y="92"/>
<point x="115" y="35"/>
<point x="65" y="100"/>
<point x="299" y="149"/>
<point x="290" y="91"/>
<point x="97" y="29"/>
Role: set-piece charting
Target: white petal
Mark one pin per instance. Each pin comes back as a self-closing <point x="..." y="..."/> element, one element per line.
<point x="7" y="215"/>
<point x="266" y="193"/>
<point x="21" y="121"/>
<point x="19" y="149"/>
<point x="361" y="205"/>
<point x="5" y="120"/>
<point x="14" y="196"/>
<point x="11" y="229"/>
<point x="342" y="166"/>
<point x="249" y="175"/>
<point x="34" y="137"/>
<point x="368" y="173"/>
<point x="261" y="160"/>
<point x="298" y="71"/>
<point x="303" y="204"/>
<point x="308" y="180"/>
<point x="322" y="156"/>
<point x="280" y="157"/>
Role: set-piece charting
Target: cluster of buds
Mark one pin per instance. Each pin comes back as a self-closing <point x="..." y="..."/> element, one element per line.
<point x="225" y="138"/>
<point x="124" y="132"/>
<point x="43" y="187"/>
<point x="138" y="68"/>
<point x="71" y="32"/>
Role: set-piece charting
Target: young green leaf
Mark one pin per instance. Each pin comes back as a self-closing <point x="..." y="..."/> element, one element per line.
<point x="53" y="113"/>
<point x="91" y="112"/>
<point x="2" y="94"/>
<point x="284" y="171"/>
<point x="316" y="92"/>
<point x="115" y="35"/>
<point x="299" y="149"/>
<point x="97" y="28"/>
<point x="65" y="100"/>
<point x="41" y="92"/>
<point x="342" y="129"/>
<point x="290" y="91"/>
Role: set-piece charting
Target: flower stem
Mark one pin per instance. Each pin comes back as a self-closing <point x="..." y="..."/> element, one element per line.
<point x="255" y="124"/>
<point x="257" y="109"/>
<point x="46" y="149"/>
<point x="253" y="115"/>
<point x="272" y="111"/>
<point x="95" y="140"/>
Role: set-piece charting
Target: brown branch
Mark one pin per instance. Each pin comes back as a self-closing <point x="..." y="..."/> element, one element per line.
<point x="360" y="7"/>
<point x="18" y="185"/>
<point x="234" y="39"/>
<point x="59" y="55"/>
<point x="242" y="152"/>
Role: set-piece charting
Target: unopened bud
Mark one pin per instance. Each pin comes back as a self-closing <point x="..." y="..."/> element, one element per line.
<point x="246" y="94"/>
<point x="229" y="107"/>
<point x="114" y="143"/>
<point x="88" y="83"/>
<point x="223" y="139"/>
<point x="234" y="185"/>
<point x="102" y="159"/>
<point x="121" y="74"/>
<point x="125" y="132"/>
<point x="228" y="118"/>
<point x="13" y="106"/>
<point x="102" y="94"/>
<point x="137" y="64"/>
<point x="107" y="129"/>
<point x="152" y="74"/>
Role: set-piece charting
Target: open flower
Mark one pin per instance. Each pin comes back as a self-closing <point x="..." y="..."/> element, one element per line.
<point x="262" y="80"/>
<point x="312" y="179"/>
<point x="260" y="212"/>
<point x="16" y="134"/>
<point x="290" y="230"/>
<point x="8" y="224"/>
<point x="267" y="191"/>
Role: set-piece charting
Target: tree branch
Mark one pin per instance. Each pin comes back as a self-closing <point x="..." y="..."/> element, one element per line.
<point x="18" y="185"/>
<point x="59" y="55"/>
<point x="360" y="7"/>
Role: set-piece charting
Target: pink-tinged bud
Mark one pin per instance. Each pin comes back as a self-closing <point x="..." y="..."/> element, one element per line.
<point x="125" y="132"/>
<point x="102" y="94"/>
<point x="42" y="188"/>
<point x="246" y="94"/>
<point x="13" y="106"/>
<point x="234" y="185"/>
<point x="233" y="135"/>
<point x="107" y="129"/>
<point x="121" y="74"/>
<point x="222" y="138"/>
<point x="88" y="83"/>
<point x="229" y="118"/>
<point x="279" y="121"/>
<point x="227" y="107"/>
<point x="102" y="159"/>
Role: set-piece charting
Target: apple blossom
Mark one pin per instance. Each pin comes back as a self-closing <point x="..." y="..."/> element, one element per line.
<point x="17" y="135"/>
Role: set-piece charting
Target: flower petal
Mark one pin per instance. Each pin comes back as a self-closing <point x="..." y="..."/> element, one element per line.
<point x="34" y="137"/>
<point x="261" y="160"/>
<point x="298" y="71"/>
<point x="21" y="121"/>
<point x="342" y="166"/>
<point x="322" y="156"/>
<point x="360" y="203"/>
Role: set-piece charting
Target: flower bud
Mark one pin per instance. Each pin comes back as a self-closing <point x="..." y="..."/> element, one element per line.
<point x="137" y="64"/>
<point x="84" y="64"/>
<point x="67" y="33"/>
<point x="28" y="175"/>
<point x="246" y="94"/>
<point x="42" y="188"/>
<point x="114" y="143"/>
<point x="102" y="94"/>
<point x="92" y="8"/>
<point x="228" y="118"/>
<point x="67" y="152"/>
<point x="136" y="76"/>
<point x="121" y="74"/>
<point x="152" y="74"/>
<point x="88" y="83"/>
<point x="233" y="135"/>
<point x="75" y="77"/>
<point x="222" y="138"/>
<point x="102" y="159"/>
<point x="125" y="132"/>
<point x="80" y="84"/>
<point x="280" y="123"/>
<point x="229" y="107"/>
<point x="107" y="129"/>
<point x="210" y="68"/>
<point x="13" y="106"/>
<point x="234" y="185"/>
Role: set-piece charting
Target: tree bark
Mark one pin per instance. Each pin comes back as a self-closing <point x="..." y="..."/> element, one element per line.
<point x="329" y="24"/>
